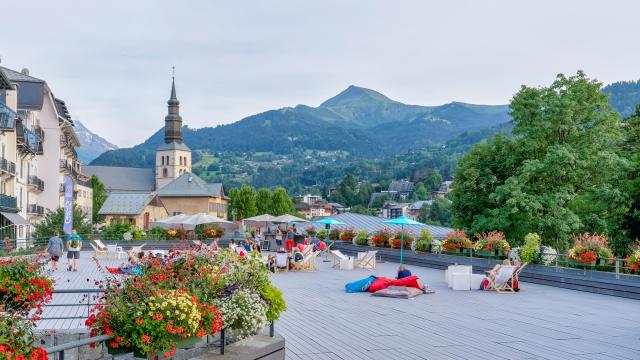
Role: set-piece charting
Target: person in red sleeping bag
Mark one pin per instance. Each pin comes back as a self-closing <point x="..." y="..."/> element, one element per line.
<point x="383" y="283"/>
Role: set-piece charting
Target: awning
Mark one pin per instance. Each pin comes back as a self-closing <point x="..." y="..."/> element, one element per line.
<point x="15" y="218"/>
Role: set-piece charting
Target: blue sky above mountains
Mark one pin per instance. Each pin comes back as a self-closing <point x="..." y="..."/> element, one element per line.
<point x="111" y="61"/>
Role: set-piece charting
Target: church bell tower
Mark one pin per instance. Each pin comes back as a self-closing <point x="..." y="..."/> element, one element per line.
<point x="173" y="158"/>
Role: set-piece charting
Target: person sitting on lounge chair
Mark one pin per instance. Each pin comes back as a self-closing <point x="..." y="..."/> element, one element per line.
<point x="403" y="272"/>
<point x="271" y="263"/>
<point x="297" y="258"/>
<point x="491" y="275"/>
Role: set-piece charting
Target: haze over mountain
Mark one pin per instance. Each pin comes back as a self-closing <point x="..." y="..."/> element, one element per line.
<point x="359" y="121"/>
<point x="91" y="144"/>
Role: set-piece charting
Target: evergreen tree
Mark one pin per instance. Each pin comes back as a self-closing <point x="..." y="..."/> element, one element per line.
<point x="421" y="192"/>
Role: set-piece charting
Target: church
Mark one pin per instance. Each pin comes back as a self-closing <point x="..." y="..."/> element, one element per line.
<point x="142" y="196"/>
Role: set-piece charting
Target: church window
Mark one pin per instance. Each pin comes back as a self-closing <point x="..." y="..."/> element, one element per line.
<point x="165" y="172"/>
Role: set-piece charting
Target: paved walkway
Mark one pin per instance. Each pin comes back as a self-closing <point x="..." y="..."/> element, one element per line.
<point x="323" y="322"/>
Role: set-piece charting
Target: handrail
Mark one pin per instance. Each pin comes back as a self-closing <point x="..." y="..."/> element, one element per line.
<point x="77" y="343"/>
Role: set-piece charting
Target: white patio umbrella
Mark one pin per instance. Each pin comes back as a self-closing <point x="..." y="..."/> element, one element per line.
<point x="286" y="218"/>
<point x="171" y="222"/>
<point x="203" y="218"/>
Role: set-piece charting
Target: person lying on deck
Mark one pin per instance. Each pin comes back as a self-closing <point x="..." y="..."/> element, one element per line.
<point x="403" y="272"/>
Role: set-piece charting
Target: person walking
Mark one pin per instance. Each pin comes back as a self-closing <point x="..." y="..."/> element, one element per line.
<point x="74" y="245"/>
<point x="55" y="248"/>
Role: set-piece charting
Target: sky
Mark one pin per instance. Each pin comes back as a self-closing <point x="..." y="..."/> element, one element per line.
<point x="111" y="60"/>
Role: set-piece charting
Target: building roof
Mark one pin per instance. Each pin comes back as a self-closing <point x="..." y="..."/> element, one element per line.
<point x="32" y="90"/>
<point x="189" y="184"/>
<point x="127" y="203"/>
<point x="420" y="204"/>
<point x="174" y="145"/>
<point x="18" y="76"/>
<point x="373" y="223"/>
<point x="402" y="186"/>
<point x="336" y="205"/>
<point x="4" y="81"/>
<point x="123" y="179"/>
<point x="61" y="109"/>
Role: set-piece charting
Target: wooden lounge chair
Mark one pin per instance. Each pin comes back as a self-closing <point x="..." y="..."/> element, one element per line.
<point x="337" y="256"/>
<point x="135" y="250"/>
<point x="503" y="280"/>
<point x="100" y="244"/>
<point x="282" y="262"/>
<point x="307" y="250"/>
<point x="367" y="260"/>
<point x="98" y="251"/>
<point x="308" y="263"/>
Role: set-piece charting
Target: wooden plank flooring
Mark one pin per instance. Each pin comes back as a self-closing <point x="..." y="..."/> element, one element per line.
<point x="324" y="322"/>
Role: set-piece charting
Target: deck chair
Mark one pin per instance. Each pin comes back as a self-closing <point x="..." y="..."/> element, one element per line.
<point x="135" y="250"/>
<point x="367" y="260"/>
<point x="98" y="251"/>
<point x="337" y="255"/>
<point x="308" y="263"/>
<point x="197" y="243"/>
<point x="307" y="250"/>
<point x="114" y="251"/>
<point x="503" y="281"/>
<point x="100" y="244"/>
<point x="282" y="262"/>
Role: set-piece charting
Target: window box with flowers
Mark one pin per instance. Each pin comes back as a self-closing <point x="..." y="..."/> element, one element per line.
<point x="588" y="249"/>
<point x="334" y="234"/>
<point x="397" y="239"/>
<point x="347" y="234"/>
<point x="457" y="242"/>
<point x="492" y="244"/>
<point x="381" y="238"/>
<point x="632" y="262"/>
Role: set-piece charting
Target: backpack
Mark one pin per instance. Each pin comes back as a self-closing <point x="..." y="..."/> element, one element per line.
<point x="75" y="243"/>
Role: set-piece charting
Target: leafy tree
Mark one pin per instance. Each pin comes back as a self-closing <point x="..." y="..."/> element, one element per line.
<point x="54" y="220"/>
<point x="421" y="192"/>
<point x="99" y="197"/>
<point x="263" y="201"/>
<point x="116" y="230"/>
<point x="440" y="212"/>
<point x="364" y="194"/>
<point x="561" y="172"/>
<point x="432" y="180"/>
<point x="631" y="149"/>
<point x="243" y="201"/>
<point x="359" y="209"/>
<point x="281" y="203"/>
<point x="379" y="201"/>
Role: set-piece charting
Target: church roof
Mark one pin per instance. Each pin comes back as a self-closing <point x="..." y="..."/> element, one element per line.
<point x="123" y="179"/>
<point x="189" y="184"/>
<point x="127" y="203"/>
<point x="174" y="145"/>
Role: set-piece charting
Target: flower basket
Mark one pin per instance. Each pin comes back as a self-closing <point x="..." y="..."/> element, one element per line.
<point x="485" y="253"/>
<point x="188" y="342"/>
<point x="113" y="348"/>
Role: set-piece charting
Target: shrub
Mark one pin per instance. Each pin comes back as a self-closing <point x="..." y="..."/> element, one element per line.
<point x="334" y="234"/>
<point x="456" y="239"/>
<point x="436" y="246"/>
<point x="156" y="233"/>
<point x="17" y="339"/>
<point x="588" y="247"/>
<point x="322" y="234"/>
<point x="491" y="241"/>
<point x="311" y="231"/>
<point x="116" y="230"/>
<point x="397" y="240"/>
<point x="347" y="234"/>
<point x="531" y="249"/>
<point x="548" y="255"/>
<point x="362" y="238"/>
<point x="275" y="302"/>
<point x="381" y="238"/>
<point x="24" y="286"/>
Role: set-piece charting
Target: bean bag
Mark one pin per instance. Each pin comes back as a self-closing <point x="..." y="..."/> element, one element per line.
<point x="383" y="283"/>
<point x="360" y="285"/>
<point x="398" y="292"/>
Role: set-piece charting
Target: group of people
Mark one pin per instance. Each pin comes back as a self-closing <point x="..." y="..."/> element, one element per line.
<point x="55" y="248"/>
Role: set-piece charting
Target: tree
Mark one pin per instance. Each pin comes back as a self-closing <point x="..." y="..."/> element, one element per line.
<point x="54" y="220"/>
<point x="263" y="201"/>
<point x="359" y="209"/>
<point x="440" y="212"/>
<point x="379" y="201"/>
<point x="281" y="203"/>
<point x="432" y="180"/>
<point x="243" y="201"/>
<point x="631" y="150"/>
<point x="99" y="197"/>
<point x="559" y="175"/>
<point x="421" y="192"/>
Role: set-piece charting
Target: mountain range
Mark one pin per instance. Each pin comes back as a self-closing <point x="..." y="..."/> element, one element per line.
<point x="359" y="121"/>
<point x="91" y="145"/>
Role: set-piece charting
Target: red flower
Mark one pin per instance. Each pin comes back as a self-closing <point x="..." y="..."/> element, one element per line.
<point x="139" y="321"/>
<point x="145" y="338"/>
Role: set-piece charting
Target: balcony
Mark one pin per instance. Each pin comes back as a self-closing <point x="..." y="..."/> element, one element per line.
<point x="27" y="141"/>
<point x="64" y="141"/>
<point x="35" y="183"/>
<point x="7" y="118"/>
<point x="65" y="167"/>
<point x="7" y="167"/>
<point x="8" y="203"/>
<point x="35" y="209"/>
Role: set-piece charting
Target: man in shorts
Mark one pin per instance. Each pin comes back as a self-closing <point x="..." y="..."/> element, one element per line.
<point x="74" y="245"/>
<point x="55" y="248"/>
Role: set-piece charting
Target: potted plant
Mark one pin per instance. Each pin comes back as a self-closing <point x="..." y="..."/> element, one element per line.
<point x="632" y="262"/>
<point x="24" y="286"/>
<point x="457" y="241"/>
<point x="347" y="234"/>
<point x="381" y="238"/>
<point x="530" y="252"/>
<point x="492" y="243"/>
<point x="588" y="248"/>
<point x="17" y="339"/>
<point x="311" y="231"/>
<point x="425" y="240"/>
<point x="334" y="234"/>
<point x="396" y="240"/>
<point x="362" y="238"/>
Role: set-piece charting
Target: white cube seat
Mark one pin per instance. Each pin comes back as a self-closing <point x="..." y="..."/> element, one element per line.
<point x="460" y="281"/>
<point x="346" y="264"/>
<point x="476" y="280"/>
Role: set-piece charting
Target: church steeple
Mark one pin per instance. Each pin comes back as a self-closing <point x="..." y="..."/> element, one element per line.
<point x="173" y="120"/>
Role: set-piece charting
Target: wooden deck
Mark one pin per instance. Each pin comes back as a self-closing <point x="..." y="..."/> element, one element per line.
<point x="323" y="322"/>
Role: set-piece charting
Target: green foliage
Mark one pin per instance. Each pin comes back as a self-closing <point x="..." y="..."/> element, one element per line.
<point x="362" y="238"/>
<point x="559" y="175"/>
<point x="263" y="201"/>
<point x="275" y="302"/>
<point x="425" y="236"/>
<point x="281" y="203"/>
<point x="531" y="250"/>
<point x="99" y="197"/>
<point x="359" y="209"/>
<point x="116" y="230"/>
<point x="379" y="201"/>
<point x="631" y="185"/>
<point x="421" y="192"/>
<point x="156" y="233"/>
<point x="243" y="201"/>
<point x="440" y="212"/>
<point x="54" y="220"/>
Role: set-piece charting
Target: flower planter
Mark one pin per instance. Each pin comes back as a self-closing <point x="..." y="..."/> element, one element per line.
<point x="485" y="253"/>
<point x="188" y="342"/>
<point x="575" y="263"/>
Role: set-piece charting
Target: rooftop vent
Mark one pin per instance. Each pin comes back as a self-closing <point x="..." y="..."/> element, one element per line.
<point x="190" y="178"/>
<point x="25" y="71"/>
